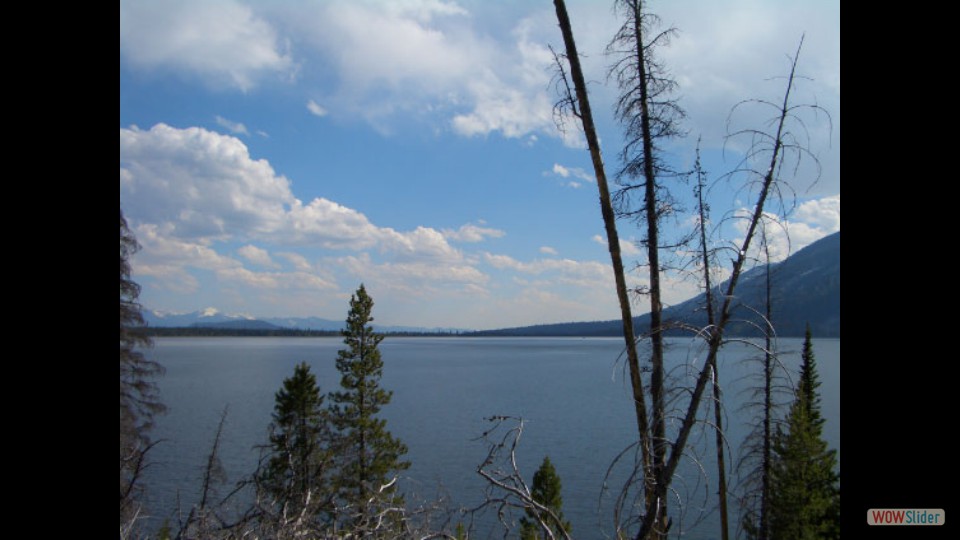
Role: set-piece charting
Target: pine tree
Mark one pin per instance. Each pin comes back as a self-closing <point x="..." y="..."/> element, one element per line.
<point x="369" y="454"/>
<point x="300" y="453"/>
<point x="546" y="491"/>
<point x="804" y="490"/>
<point x="139" y="396"/>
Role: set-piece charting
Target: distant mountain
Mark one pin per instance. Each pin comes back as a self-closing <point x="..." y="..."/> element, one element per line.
<point x="805" y="288"/>
<point x="306" y="323"/>
<point x="202" y="317"/>
<point x="213" y="318"/>
<point x="241" y="324"/>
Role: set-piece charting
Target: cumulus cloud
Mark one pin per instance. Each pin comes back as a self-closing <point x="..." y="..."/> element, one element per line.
<point x="223" y="42"/>
<point x="628" y="248"/>
<point x="316" y="109"/>
<point x="200" y="183"/>
<point x="811" y="221"/>
<point x="234" y="127"/>
<point x="189" y="191"/>
<point x="433" y="61"/>
<point x="472" y="233"/>
<point x="167" y="259"/>
<point x="511" y="97"/>
<point x="258" y="256"/>
<point x="277" y="280"/>
<point x="203" y="185"/>
<point x="170" y="260"/>
<point x="413" y="277"/>
<point x="299" y="262"/>
<point x="589" y="274"/>
<point x="568" y="172"/>
<point x="547" y="250"/>
<point x="823" y="214"/>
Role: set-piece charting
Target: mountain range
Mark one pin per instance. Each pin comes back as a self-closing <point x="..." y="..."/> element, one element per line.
<point x="213" y="318"/>
<point x="805" y="289"/>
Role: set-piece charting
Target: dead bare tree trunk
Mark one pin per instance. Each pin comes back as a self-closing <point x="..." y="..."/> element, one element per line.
<point x="649" y="114"/>
<point x="767" y="184"/>
<point x="506" y="487"/>
<point x="702" y="211"/>
<point x="766" y="458"/>
<point x="580" y="107"/>
<point x="653" y="262"/>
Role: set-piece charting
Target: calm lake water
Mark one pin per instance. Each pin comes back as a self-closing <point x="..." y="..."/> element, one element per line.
<point x="570" y="391"/>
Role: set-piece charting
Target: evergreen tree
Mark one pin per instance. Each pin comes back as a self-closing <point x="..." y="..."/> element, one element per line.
<point x="139" y="397"/>
<point x="300" y="452"/>
<point x="546" y="491"/>
<point x="369" y="454"/>
<point x="804" y="489"/>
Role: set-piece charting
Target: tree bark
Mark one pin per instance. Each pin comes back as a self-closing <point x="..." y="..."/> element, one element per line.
<point x="582" y="110"/>
<point x="717" y="395"/>
<point x="659" y="435"/>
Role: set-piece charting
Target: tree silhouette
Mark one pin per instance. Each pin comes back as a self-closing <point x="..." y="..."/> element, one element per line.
<point x="804" y="491"/>
<point x="546" y="491"/>
<point x="139" y="397"/>
<point x="368" y="454"/>
<point x="296" y="474"/>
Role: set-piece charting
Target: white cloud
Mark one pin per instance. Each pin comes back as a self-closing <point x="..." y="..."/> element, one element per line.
<point x="234" y="127"/>
<point x="590" y="280"/>
<point x="472" y="233"/>
<point x="170" y="260"/>
<point x="512" y="97"/>
<point x="202" y="185"/>
<point x="547" y="250"/>
<point x="812" y="220"/>
<point x="567" y="172"/>
<point x="412" y="277"/>
<point x="824" y="214"/>
<point x="223" y="42"/>
<point x="589" y="274"/>
<point x="258" y="256"/>
<point x="188" y="191"/>
<point x="727" y="52"/>
<point x="316" y="109"/>
<point x="277" y="280"/>
<point x="628" y="248"/>
<point x="299" y="262"/>
<point x="420" y="243"/>
<point x="433" y="61"/>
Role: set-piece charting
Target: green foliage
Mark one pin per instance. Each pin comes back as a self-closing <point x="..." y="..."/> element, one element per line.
<point x="165" y="532"/>
<point x="546" y="491"/>
<point x="369" y="455"/>
<point x="804" y="489"/>
<point x="299" y="444"/>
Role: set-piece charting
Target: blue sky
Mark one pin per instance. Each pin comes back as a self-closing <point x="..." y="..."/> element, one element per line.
<point x="274" y="155"/>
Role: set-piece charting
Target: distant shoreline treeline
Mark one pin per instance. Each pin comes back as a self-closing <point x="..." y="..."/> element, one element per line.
<point x="204" y="331"/>
<point x="600" y="330"/>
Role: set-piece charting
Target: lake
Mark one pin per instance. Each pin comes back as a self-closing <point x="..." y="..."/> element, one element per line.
<point x="571" y="392"/>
